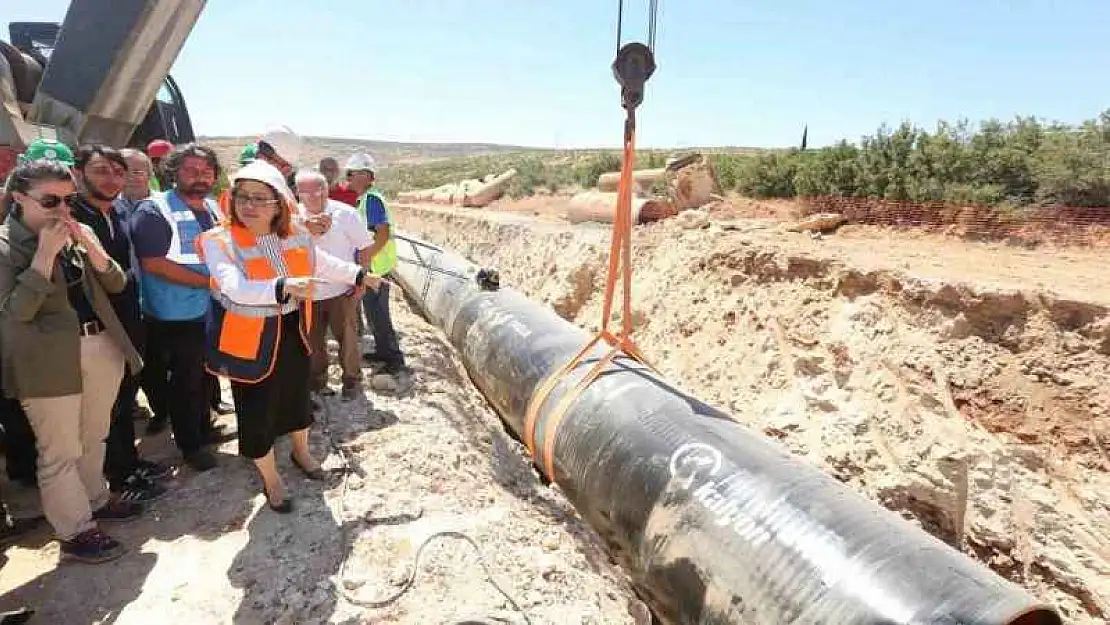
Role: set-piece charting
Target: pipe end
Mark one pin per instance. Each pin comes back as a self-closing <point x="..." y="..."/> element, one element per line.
<point x="1037" y="616"/>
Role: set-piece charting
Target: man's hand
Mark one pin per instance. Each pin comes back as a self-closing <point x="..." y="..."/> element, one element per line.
<point x="318" y="225"/>
<point x="371" y="282"/>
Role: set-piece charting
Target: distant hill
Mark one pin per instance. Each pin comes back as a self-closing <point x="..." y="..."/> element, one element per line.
<point x="386" y="152"/>
<point x="401" y="153"/>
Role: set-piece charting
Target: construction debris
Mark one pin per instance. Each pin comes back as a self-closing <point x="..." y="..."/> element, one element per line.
<point x="471" y="193"/>
<point x="820" y="222"/>
<point x="601" y="207"/>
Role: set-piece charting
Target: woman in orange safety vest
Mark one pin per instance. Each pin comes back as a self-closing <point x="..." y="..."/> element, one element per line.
<point x="263" y="267"/>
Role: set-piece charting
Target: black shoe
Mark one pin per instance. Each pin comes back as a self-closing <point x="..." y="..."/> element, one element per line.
<point x="218" y="434"/>
<point x="202" y="460"/>
<point x="92" y="547"/>
<point x="137" y="490"/>
<point x="285" y="507"/>
<point x="18" y="528"/>
<point x="118" y="511"/>
<point x="16" y="617"/>
<point x="223" y="408"/>
<point x="151" y="471"/>
<point x="157" y="425"/>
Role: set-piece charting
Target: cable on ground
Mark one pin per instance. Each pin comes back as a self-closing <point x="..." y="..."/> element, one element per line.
<point x="408" y="583"/>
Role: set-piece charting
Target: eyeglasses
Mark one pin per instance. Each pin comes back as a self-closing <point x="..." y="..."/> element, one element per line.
<point x="255" y="200"/>
<point x="54" y="201"/>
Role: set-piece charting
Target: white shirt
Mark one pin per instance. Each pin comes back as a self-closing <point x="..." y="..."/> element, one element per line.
<point x="347" y="235"/>
<point x="242" y="290"/>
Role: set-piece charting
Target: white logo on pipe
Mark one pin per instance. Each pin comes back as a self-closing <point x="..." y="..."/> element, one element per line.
<point x="694" y="460"/>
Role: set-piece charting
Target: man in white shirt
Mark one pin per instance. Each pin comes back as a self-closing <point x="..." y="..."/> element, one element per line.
<point x="338" y="230"/>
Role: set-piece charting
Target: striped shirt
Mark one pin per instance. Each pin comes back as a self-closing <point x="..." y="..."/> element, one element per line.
<point x="270" y="244"/>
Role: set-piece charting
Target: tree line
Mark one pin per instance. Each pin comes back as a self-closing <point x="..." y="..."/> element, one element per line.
<point x="1023" y="163"/>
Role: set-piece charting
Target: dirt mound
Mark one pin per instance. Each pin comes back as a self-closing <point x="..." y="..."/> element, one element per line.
<point x="976" y="411"/>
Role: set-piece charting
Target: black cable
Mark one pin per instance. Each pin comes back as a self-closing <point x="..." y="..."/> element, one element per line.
<point x="407" y="585"/>
<point x="620" y="22"/>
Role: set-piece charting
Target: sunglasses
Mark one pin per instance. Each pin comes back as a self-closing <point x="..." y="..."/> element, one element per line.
<point x="54" y="201"/>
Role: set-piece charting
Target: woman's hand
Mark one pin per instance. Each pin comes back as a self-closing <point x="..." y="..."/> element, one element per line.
<point x="52" y="239"/>
<point x="99" y="258"/>
<point x="300" y="288"/>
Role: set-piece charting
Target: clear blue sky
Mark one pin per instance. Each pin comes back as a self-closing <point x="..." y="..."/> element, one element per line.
<point x="536" y="72"/>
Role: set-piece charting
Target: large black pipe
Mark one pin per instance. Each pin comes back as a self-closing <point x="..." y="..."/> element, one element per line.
<point x="715" y="524"/>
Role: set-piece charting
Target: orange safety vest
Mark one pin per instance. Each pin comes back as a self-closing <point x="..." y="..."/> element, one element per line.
<point x="243" y="341"/>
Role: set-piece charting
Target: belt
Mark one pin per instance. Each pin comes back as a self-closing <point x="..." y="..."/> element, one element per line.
<point x="90" y="328"/>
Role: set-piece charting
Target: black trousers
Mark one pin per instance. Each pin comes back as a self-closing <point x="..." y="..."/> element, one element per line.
<point x="183" y="394"/>
<point x="19" y="441"/>
<point x="121" y="456"/>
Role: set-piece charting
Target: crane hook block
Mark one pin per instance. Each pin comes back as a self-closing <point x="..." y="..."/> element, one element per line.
<point x="634" y="64"/>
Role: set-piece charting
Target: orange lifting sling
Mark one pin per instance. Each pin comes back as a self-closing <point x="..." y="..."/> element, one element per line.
<point x="633" y="66"/>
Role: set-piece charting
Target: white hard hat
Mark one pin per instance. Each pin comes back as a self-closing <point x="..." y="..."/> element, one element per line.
<point x="261" y="171"/>
<point x="361" y="162"/>
<point x="284" y="141"/>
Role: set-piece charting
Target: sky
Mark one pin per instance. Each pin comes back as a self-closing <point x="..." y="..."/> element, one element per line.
<point x="537" y="72"/>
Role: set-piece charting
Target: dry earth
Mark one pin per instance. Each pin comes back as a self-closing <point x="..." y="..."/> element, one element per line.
<point x="962" y="385"/>
<point x="433" y="460"/>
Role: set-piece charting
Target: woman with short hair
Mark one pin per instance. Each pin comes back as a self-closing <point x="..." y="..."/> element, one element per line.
<point x="263" y="268"/>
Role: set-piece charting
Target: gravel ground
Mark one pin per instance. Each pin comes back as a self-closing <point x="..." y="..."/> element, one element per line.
<point x="432" y="460"/>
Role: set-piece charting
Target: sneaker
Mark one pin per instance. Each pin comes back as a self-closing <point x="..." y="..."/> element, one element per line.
<point x="118" y="511"/>
<point x="151" y="471"/>
<point x="202" y="460"/>
<point x="137" y="490"/>
<point x="92" y="547"/>
<point x="12" y="531"/>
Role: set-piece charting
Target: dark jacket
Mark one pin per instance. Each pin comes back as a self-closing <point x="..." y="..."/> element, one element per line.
<point x="112" y="229"/>
<point x="39" y="340"/>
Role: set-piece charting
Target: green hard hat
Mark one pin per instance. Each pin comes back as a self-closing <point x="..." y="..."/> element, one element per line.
<point x="249" y="153"/>
<point x="47" y="149"/>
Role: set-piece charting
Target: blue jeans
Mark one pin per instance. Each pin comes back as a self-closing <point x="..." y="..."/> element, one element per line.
<point x="375" y="304"/>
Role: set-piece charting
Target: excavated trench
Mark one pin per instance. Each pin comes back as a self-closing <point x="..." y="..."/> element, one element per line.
<point x="978" y="413"/>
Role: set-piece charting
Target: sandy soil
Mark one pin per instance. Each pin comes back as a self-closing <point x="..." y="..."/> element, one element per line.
<point x="433" y="460"/>
<point x="963" y="385"/>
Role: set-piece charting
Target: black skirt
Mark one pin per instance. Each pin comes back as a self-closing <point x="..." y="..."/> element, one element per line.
<point x="279" y="404"/>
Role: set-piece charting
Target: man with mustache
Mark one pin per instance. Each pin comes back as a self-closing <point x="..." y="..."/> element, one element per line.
<point x="175" y="292"/>
<point x="100" y="172"/>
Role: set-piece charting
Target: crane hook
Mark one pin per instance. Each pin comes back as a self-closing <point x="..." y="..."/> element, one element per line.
<point x="635" y="63"/>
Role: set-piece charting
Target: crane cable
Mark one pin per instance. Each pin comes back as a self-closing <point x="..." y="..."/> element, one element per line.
<point x="634" y="64"/>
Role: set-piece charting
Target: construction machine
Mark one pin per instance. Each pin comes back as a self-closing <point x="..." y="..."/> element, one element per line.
<point x="102" y="76"/>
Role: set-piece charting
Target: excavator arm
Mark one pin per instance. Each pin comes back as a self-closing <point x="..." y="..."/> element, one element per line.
<point x="101" y="76"/>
